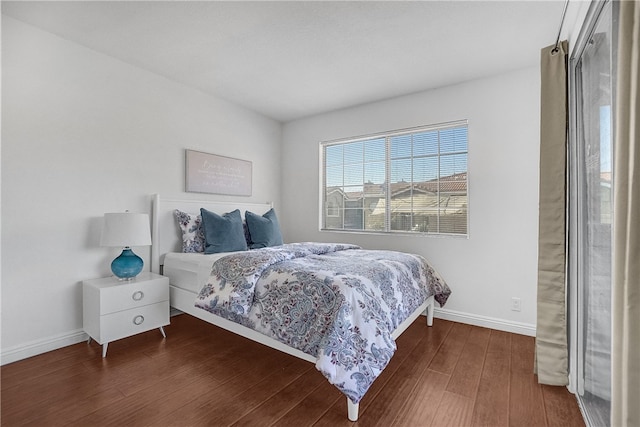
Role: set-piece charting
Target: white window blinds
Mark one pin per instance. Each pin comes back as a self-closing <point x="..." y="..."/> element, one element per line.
<point x="406" y="181"/>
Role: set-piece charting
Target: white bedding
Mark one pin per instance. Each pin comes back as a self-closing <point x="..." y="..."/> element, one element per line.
<point x="189" y="271"/>
<point x="336" y="302"/>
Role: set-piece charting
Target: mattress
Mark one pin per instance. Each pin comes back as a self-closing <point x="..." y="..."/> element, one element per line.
<point x="189" y="271"/>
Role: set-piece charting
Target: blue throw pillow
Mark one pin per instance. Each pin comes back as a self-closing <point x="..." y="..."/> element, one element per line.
<point x="264" y="231"/>
<point x="223" y="233"/>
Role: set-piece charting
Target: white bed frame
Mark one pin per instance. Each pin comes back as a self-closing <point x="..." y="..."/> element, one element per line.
<point x="167" y="238"/>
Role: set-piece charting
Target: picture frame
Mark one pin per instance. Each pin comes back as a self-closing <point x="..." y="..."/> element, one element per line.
<point x="215" y="174"/>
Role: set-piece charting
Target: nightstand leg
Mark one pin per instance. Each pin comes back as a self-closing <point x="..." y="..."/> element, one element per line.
<point x="162" y="332"/>
<point x="104" y="349"/>
<point x="89" y="340"/>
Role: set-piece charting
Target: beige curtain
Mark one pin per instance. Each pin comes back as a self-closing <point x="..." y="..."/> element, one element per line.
<point x="625" y="353"/>
<point x="551" y="330"/>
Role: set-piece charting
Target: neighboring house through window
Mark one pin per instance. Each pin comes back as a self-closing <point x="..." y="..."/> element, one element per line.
<point x="405" y="181"/>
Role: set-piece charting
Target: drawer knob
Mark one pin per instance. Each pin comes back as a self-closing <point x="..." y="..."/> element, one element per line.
<point x="138" y="319"/>
<point x="137" y="295"/>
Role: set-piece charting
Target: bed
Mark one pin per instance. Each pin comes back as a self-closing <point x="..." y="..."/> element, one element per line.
<point x="246" y="293"/>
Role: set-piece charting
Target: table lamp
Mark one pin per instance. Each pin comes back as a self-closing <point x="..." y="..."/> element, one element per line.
<point x="126" y="229"/>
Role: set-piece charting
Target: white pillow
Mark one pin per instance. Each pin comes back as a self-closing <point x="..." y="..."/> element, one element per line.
<point x="192" y="231"/>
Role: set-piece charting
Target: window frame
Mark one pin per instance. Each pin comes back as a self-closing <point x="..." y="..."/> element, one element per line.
<point x="387" y="227"/>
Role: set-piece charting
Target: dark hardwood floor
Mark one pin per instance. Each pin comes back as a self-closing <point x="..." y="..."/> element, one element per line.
<point x="448" y="375"/>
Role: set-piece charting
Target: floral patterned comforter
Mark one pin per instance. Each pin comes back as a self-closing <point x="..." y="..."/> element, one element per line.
<point x="336" y="302"/>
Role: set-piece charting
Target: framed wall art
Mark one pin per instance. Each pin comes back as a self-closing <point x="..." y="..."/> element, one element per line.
<point x="210" y="173"/>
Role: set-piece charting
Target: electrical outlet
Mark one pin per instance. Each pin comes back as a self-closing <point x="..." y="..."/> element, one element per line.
<point x="516" y="304"/>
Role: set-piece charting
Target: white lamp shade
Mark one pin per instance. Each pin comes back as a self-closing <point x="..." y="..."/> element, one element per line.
<point x="125" y="229"/>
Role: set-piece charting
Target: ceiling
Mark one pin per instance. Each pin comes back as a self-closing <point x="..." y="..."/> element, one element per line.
<point x="293" y="59"/>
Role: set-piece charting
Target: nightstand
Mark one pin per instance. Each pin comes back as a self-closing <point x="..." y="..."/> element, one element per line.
<point x="115" y="309"/>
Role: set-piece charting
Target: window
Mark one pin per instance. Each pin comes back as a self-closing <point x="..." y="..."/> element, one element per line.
<point x="593" y="69"/>
<point x="406" y="181"/>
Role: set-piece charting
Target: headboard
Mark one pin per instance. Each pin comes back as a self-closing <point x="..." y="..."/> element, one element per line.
<point x="166" y="234"/>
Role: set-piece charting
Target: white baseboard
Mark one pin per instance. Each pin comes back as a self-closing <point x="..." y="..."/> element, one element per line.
<point x="37" y="347"/>
<point x="486" y="322"/>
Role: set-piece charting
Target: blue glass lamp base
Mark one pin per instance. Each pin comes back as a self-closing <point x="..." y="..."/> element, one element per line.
<point x="128" y="265"/>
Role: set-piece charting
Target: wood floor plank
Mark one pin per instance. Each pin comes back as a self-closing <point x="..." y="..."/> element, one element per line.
<point x="202" y="375"/>
<point x="335" y="417"/>
<point x="491" y="407"/>
<point x="202" y="361"/>
<point x="561" y="407"/>
<point x="446" y="359"/>
<point x="170" y="401"/>
<point x="454" y="410"/>
<point x="526" y="407"/>
<point x="188" y="385"/>
<point x="466" y="374"/>
<point x="312" y="407"/>
<point x="18" y="402"/>
<point x="499" y="342"/>
<point x="522" y="343"/>
<point x="45" y="364"/>
<point x="62" y="415"/>
<point x="235" y="400"/>
<point x="421" y="406"/>
<point x="273" y="408"/>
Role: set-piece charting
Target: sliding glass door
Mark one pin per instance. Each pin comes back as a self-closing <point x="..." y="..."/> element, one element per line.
<point x="592" y="167"/>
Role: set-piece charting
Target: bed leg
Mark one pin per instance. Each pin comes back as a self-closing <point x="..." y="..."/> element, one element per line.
<point x="352" y="410"/>
<point x="430" y="308"/>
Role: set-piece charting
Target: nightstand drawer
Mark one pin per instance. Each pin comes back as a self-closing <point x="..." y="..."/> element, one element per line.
<point x="132" y="295"/>
<point x="130" y="322"/>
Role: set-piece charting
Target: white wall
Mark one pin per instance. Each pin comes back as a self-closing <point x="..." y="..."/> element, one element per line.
<point x="499" y="259"/>
<point x="84" y="134"/>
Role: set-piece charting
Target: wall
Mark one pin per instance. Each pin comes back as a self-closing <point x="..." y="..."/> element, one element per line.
<point x="84" y="134"/>
<point x="499" y="259"/>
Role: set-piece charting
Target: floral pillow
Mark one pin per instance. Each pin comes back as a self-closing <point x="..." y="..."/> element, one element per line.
<point x="192" y="231"/>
